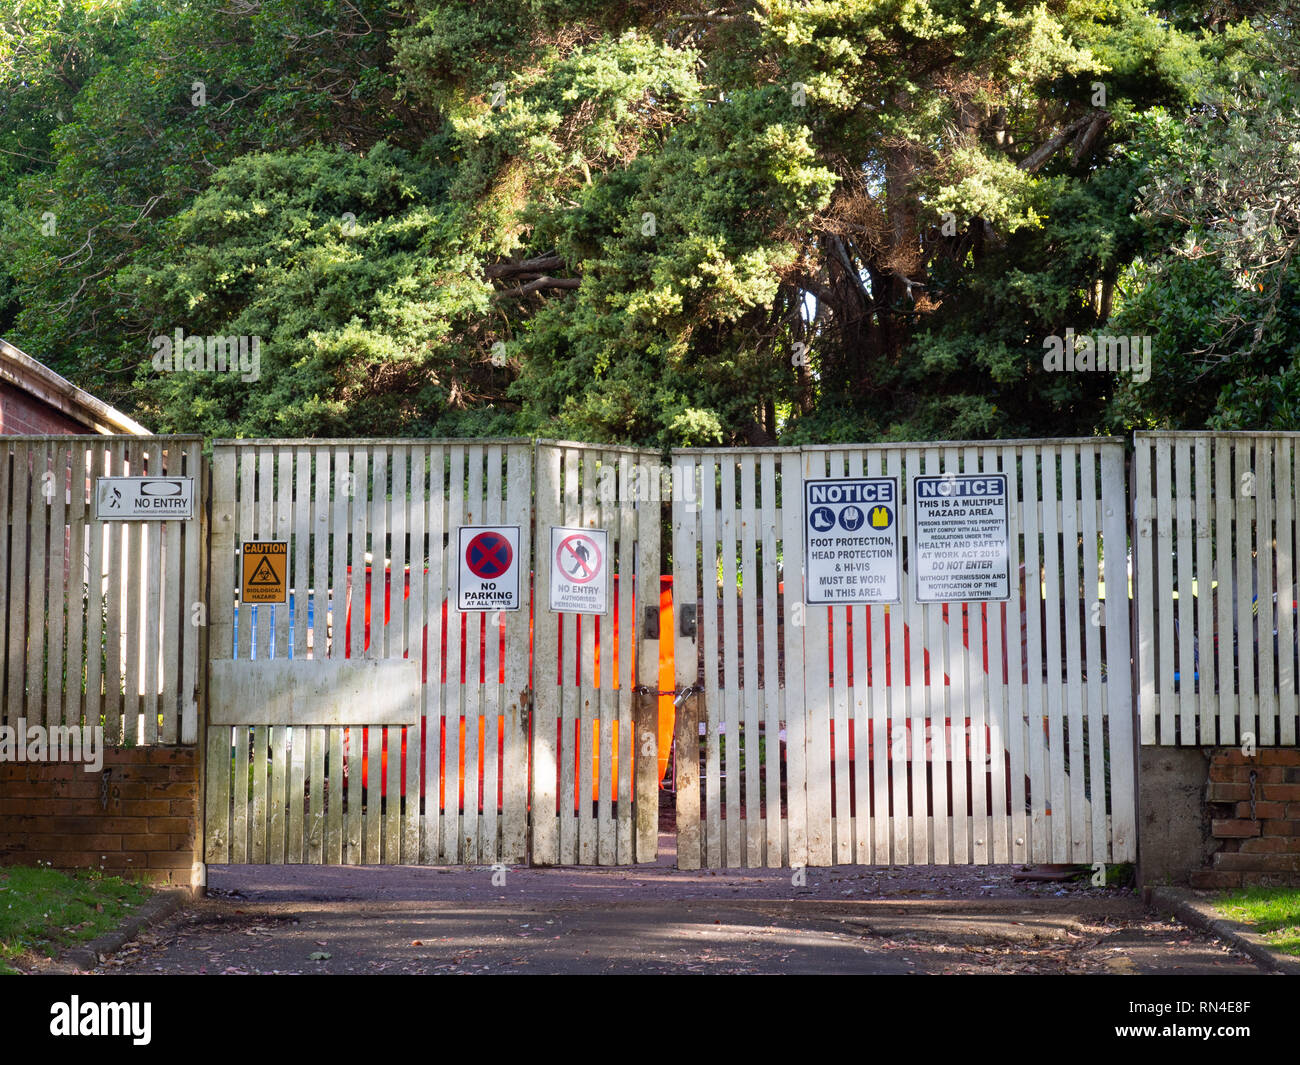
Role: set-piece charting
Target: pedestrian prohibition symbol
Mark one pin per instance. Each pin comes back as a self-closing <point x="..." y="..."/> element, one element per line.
<point x="578" y="575"/>
<point x="489" y="568"/>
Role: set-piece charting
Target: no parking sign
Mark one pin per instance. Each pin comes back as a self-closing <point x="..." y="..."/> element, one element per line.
<point x="489" y="567"/>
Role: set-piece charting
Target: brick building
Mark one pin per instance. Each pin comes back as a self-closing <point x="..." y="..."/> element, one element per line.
<point x="36" y="400"/>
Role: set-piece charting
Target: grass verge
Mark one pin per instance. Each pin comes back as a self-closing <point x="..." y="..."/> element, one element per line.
<point x="43" y="909"/>
<point x="1272" y="912"/>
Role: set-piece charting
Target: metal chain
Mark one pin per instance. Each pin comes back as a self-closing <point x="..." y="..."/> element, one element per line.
<point x="1253" y="777"/>
<point x="681" y="693"/>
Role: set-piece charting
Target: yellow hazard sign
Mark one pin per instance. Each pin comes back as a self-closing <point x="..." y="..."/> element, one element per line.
<point x="265" y="564"/>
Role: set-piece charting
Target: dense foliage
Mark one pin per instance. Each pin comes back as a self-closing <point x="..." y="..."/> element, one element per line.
<point x="661" y="223"/>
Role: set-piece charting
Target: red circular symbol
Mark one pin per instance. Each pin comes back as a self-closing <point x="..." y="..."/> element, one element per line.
<point x="578" y="558"/>
<point x="489" y="555"/>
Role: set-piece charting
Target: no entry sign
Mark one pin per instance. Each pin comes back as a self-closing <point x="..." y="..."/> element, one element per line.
<point x="578" y="570"/>
<point x="489" y="568"/>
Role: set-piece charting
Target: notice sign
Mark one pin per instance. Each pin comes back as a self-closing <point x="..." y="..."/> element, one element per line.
<point x="489" y="568"/>
<point x="265" y="563"/>
<point x="851" y="540"/>
<point x="960" y="548"/>
<point x="136" y="498"/>
<point x="578" y="570"/>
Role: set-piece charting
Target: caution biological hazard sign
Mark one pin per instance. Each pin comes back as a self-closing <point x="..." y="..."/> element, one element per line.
<point x="265" y="563"/>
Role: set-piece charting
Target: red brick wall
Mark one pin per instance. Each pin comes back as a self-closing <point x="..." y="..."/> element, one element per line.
<point x="138" y="816"/>
<point x="1258" y="844"/>
<point x="22" y="413"/>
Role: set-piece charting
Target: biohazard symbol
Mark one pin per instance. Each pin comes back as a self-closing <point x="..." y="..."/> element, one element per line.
<point x="264" y="574"/>
<point x="881" y="517"/>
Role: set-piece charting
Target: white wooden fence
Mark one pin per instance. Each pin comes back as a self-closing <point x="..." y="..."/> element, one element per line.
<point x="942" y="732"/>
<point x="1024" y="735"/>
<point x="102" y="620"/>
<point x="1215" y="565"/>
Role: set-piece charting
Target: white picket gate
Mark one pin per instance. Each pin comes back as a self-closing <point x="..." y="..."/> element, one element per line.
<point x="1024" y="734"/>
<point x="369" y="721"/>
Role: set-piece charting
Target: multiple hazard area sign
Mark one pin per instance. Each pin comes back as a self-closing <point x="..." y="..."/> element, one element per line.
<point x="489" y="568"/>
<point x="851" y="540"/>
<point x="961" y="535"/>
<point x="579" y="569"/>
<point x="147" y="498"/>
<point x="265" y="563"/>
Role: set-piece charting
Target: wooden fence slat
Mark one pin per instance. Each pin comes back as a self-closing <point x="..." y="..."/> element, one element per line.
<point x="1097" y="845"/>
<point x="416" y="629"/>
<point x="38" y="581"/>
<point x="57" y="604"/>
<point x="841" y="821"/>
<point x="1039" y="841"/>
<point x="687" y="489"/>
<point x="773" y="842"/>
<point x="218" y="764"/>
<point x="1225" y="594"/>
<point x="299" y="825"/>
<point x="994" y="618"/>
<point x="586" y="693"/>
<point x="633" y="478"/>
<point x="1071" y="564"/>
<point x="20" y="494"/>
<point x="264" y="628"/>
<point x="977" y="651"/>
<point x="514" y="765"/>
<point x="473" y="688"/>
<point x="433" y="843"/>
<point x="95" y="572"/>
<point x="899" y="695"/>
<point x="1264" y="606"/>
<point x="795" y="613"/>
<point x="1118" y="690"/>
<point x="1018" y="843"/>
<point x="1053" y="656"/>
<point x="817" y="712"/>
<point x="1184" y="607"/>
<point x="1284" y="516"/>
<point x="712" y="696"/>
<point x="932" y="730"/>
<point x="859" y="694"/>
<point x="395" y="585"/>
<point x="1246" y="627"/>
<point x="1205" y="664"/>
<point x="490" y="830"/>
<point x="335" y="626"/>
<point x="748" y="739"/>
<point x="956" y="708"/>
<point x="9" y="506"/>
<point x="193" y="540"/>
<point x="546" y="692"/>
<point x="613" y="656"/>
<point x="454" y="707"/>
